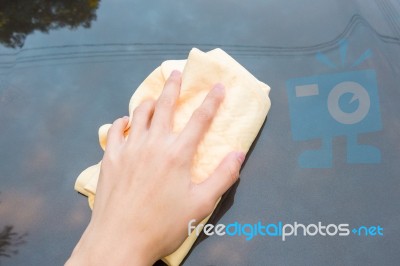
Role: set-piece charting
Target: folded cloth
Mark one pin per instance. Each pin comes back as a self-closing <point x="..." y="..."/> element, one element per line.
<point x="234" y="127"/>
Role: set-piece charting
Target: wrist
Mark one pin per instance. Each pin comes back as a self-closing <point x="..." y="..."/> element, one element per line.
<point x="104" y="250"/>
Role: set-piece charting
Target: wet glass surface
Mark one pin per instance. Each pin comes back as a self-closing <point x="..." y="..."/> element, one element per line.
<point x="66" y="69"/>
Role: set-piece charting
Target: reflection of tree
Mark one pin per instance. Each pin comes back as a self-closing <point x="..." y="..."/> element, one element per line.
<point x="19" y="18"/>
<point x="9" y="240"/>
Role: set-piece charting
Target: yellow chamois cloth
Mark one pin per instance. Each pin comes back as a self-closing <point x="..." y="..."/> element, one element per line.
<point x="234" y="127"/>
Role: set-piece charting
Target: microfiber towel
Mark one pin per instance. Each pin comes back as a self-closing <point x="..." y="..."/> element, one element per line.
<point x="234" y="127"/>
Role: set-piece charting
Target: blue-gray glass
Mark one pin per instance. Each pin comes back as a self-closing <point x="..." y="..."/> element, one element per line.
<point x="329" y="151"/>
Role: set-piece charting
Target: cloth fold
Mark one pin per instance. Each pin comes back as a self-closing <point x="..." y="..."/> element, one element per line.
<point x="234" y="127"/>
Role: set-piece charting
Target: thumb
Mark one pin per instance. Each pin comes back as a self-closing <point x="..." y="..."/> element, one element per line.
<point x="103" y="131"/>
<point x="224" y="176"/>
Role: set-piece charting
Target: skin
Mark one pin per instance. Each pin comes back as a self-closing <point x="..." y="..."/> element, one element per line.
<point x="145" y="197"/>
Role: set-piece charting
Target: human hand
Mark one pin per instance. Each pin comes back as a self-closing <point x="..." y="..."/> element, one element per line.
<point x="145" y="197"/>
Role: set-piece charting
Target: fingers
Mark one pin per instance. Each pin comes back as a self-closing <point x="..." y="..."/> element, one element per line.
<point x="115" y="135"/>
<point x="165" y="106"/>
<point x="141" y="119"/>
<point x="201" y="120"/>
<point x="224" y="176"/>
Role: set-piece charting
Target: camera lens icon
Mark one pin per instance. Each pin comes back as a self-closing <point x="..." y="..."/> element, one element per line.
<point x="344" y="104"/>
<point x="359" y="93"/>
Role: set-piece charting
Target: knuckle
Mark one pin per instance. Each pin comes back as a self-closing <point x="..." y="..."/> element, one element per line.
<point x="115" y="124"/>
<point x="233" y="172"/>
<point x="165" y="102"/>
<point x="151" y="145"/>
<point x="110" y="157"/>
<point x="139" y="111"/>
<point x="174" y="157"/>
<point x="147" y="104"/>
<point x="110" y="132"/>
<point x="117" y="121"/>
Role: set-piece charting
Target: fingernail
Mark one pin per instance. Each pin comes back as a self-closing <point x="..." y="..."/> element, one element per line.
<point x="125" y="117"/>
<point x="219" y="87"/>
<point x="175" y="73"/>
<point x="240" y="157"/>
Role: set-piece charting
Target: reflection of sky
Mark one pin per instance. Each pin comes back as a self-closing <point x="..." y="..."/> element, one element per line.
<point x="49" y="116"/>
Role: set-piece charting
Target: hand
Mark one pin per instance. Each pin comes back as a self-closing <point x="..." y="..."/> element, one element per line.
<point x="145" y="197"/>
